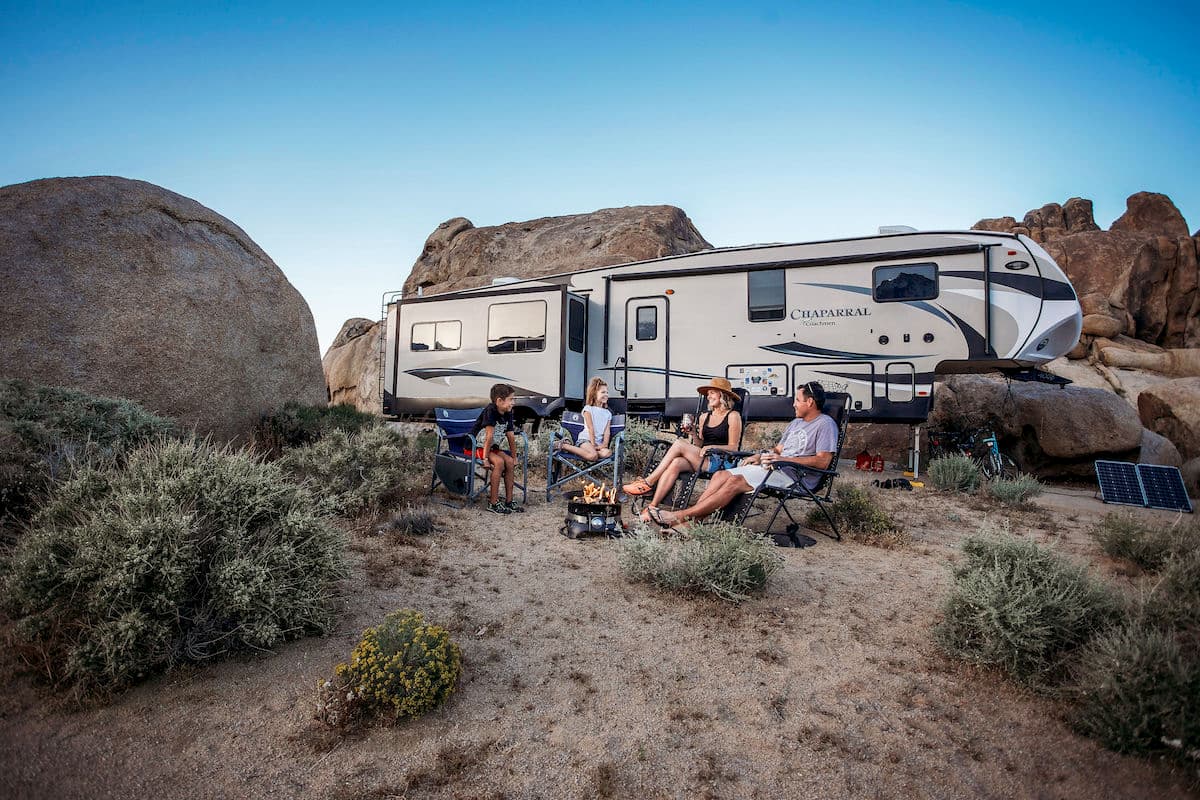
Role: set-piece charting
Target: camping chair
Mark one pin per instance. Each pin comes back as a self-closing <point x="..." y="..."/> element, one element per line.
<point x="683" y="494"/>
<point x="563" y="467"/>
<point x="687" y="481"/>
<point x="837" y="406"/>
<point x="455" y="465"/>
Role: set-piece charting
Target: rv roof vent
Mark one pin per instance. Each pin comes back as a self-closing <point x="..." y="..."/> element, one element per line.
<point x="886" y="229"/>
<point x="502" y="281"/>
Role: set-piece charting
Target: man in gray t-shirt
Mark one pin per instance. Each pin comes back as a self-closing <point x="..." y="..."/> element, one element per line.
<point x="810" y="440"/>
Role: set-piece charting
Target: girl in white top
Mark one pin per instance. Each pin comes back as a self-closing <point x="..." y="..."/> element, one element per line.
<point x="593" y="439"/>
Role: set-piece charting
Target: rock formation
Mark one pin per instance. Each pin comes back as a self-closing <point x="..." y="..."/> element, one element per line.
<point x="1172" y="409"/>
<point x="352" y="366"/>
<point x="123" y="288"/>
<point x="1139" y="278"/>
<point x="457" y="255"/>
<point x="1050" y="431"/>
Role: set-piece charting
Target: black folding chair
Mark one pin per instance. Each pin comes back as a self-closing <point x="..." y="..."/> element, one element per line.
<point x="457" y="466"/>
<point x="563" y="467"/>
<point x="837" y="406"/>
<point x="683" y="494"/>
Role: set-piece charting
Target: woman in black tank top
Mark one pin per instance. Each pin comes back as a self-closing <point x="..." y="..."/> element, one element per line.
<point x="720" y="428"/>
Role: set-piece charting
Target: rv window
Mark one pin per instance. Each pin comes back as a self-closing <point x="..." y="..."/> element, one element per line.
<point x="766" y="295"/>
<point x="437" y="335"/>
<point x="576" y="326"/>
<point x="907" y="282"/>
<point x="517" y="327"/>
<point x="448" y="336"/>
<point x="647" y="323"/>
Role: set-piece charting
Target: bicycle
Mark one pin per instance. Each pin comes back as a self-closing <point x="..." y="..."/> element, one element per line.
<point x="981" y="446"/>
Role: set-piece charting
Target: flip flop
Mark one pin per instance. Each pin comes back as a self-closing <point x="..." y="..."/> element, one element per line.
<point x="637" y="488"/>
<point x="656" y="517"/>
<point x="645" y="515"/>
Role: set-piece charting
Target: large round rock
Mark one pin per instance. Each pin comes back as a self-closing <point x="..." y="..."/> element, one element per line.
<point x="123" y="288"/>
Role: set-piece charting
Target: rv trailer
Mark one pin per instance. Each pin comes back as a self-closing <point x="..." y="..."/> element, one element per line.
<point x="877" y="317"/>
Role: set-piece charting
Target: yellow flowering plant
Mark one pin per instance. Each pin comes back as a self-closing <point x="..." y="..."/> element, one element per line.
<point x="402" y="667"/>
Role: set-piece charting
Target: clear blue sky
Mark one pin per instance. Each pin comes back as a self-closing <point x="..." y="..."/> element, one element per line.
<point x="339" y="135"/>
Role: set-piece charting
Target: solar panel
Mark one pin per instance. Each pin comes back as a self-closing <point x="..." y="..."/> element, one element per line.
<point x="1119" y="483"/>
<point x="1146" y="485"/>
<point x="1163" y="487"/>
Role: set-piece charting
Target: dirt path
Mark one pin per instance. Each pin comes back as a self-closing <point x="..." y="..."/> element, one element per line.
<point x="579" y="684"/>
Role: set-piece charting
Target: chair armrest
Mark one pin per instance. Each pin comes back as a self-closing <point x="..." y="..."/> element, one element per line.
<point x="796" y="470"/>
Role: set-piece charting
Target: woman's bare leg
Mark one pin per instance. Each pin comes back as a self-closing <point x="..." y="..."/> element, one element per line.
<point x="680" y="448"/>
<point x="670" y="476"/>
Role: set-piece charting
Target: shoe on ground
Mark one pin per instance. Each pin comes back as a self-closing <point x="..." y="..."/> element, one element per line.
<point x="499" y="507"/>
<point x="637" y="488"/>
<point x="514" y="507"/>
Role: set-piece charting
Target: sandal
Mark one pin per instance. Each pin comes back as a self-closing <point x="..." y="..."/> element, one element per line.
<point x="637" y="488"/>
<point x="656" y="517"/>
<point x="645" y="515"/>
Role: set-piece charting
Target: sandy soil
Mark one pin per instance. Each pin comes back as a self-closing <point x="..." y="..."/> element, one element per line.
<point x="580" y="684"/>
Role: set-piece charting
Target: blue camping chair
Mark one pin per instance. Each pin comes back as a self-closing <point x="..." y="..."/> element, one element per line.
<point x="455" y="465"/>
<point x="563" y="467"/>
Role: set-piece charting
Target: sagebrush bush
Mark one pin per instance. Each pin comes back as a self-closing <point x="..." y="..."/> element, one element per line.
<point x="717" y="558"/>
<point x="1015" y="491"/>
<point x="637" y="445"/>
<point x="954" y="473"/>
<point x="1021" y="607"/>
<point x="858" y="515"/>
<point x="358" y="472"/>
<point x="47" y="431"/>
<point x="185" y="552"/>
<point x="403" y="667"/>
<point x="296" y="425"/>
<point x="1138" y="691"/>
<point x="1171" y="600"/>
<point x="411" y="521"/>
<point x="1149" y="544"/>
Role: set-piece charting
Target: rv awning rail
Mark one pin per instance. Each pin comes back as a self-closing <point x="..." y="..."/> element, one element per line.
<point x="892" y="255"/>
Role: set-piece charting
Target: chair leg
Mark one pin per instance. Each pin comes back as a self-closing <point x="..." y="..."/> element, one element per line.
<point x="683" y="495"/>
<point x="837" y="536"/>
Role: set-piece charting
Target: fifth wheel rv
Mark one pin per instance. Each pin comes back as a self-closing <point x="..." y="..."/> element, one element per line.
<point x="877" y="317"/>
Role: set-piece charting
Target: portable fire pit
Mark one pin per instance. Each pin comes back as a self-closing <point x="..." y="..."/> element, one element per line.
<point x="592" y="512"/>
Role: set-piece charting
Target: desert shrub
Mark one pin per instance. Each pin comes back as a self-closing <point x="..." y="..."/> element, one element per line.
<point x="1122" y="535"/>
<point x="411" y="521"/>
<point x="637" y="445"/>
<point x="858" y="515"/>
<point x="403" y="667"/>
<point x="358" y="472"/>
<point x="1014" y="491"/>
<point x="296" y="425"/>
<point x="46" y="431"/>
<point x="718" y="558"/>
<point x="1172" y="600"/>
<point x="1139" y="692"/>
<point x="954" y="473"/>
<point x="185" y="552"/>
<point x="1020" y="607"/>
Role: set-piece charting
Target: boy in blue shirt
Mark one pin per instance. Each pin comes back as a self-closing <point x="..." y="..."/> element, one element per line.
<point x="498" y="417"/>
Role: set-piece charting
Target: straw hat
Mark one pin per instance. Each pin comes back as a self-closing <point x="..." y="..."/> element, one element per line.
<point x="721" y="385"/>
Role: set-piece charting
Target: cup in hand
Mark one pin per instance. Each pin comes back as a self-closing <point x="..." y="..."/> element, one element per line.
<point x="686" y="423"/>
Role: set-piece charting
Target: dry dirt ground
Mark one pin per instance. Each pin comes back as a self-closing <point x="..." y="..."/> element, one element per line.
<point x="580" y="684"/>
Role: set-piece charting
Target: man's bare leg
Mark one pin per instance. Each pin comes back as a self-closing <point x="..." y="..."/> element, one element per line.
<point x="721" y="490"/>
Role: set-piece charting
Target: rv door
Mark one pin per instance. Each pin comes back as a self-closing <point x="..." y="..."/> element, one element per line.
<point x="646" y="360"/>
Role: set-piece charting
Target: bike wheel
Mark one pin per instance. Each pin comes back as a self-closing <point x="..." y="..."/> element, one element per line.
<point x="1006" y="468"/>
